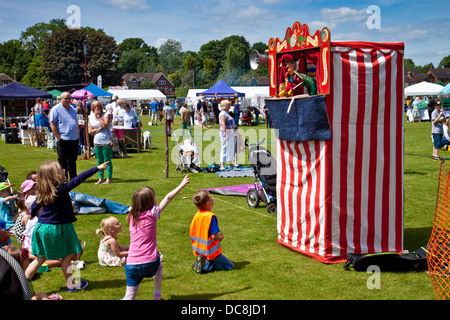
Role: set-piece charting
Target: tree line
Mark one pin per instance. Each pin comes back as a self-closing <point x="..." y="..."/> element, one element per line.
<point x="50" y="55"/>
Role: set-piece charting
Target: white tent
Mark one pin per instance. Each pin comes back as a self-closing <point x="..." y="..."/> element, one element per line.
<point x="253" y="95"/>
<point x="423" y="89"/>
<point x="138" y="94"/>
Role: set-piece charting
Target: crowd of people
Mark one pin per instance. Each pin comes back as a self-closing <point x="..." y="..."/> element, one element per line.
<point x="44" y="226"/>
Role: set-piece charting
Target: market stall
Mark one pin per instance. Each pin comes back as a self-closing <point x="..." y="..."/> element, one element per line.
<point x="15" y="99"/>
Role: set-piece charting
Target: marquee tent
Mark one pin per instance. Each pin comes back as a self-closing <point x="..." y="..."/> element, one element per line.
<point x="253" y="94"/>
<point x="221" y="90"/>
<point x="97" y="91"/>
<point x="445" y="90"/>
<point x="423" y="89"/>
<point x="55" y="93"/>
<point x="138" y="94"/>
<point x="17" y="90"/>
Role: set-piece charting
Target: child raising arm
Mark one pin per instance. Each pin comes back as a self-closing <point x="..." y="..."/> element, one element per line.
<point x="143" y="257"/>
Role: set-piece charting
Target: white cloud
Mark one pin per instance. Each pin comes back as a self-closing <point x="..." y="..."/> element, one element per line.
<point x="251" y="12"/>
<point x="318" y="25"/>
<point x="159" y="42"/>
<point x="343" y="14"/>
<point x="128" y="4"/>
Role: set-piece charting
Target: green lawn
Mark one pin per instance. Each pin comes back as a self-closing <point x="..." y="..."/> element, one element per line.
<point x="264" y="270"/>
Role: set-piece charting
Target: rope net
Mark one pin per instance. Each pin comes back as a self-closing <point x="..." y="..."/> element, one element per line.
<point x="438" y="257"/>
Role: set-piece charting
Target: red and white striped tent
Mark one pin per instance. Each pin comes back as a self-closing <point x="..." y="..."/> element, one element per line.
<point x="346" y="195"/>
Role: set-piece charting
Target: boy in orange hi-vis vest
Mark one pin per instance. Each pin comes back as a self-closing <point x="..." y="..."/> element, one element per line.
<point x="206" y="237"/>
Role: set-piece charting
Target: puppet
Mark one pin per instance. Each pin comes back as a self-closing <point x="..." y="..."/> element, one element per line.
<point x="295" y="79"/>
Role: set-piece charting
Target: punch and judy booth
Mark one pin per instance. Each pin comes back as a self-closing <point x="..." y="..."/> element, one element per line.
<point x="340" y="149"/>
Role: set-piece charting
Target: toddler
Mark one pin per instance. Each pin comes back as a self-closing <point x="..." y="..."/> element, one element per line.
<point x="110" y="253"/>
<point x="143" y="257"/>
<point x="7" y="206"/>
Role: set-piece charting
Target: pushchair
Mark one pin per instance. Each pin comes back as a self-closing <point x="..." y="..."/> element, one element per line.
<point x="187" y="156"/>
<point x="265" y="176"/>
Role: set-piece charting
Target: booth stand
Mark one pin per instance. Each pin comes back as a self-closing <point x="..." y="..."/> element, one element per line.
<point x="340" y="152"/>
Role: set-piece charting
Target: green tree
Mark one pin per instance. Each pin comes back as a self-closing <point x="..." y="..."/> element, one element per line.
<point x="102" y="52"/>
<point x="408" y="64"/>
<point x="14" y="59"/>
<point x="132" y="60"/>
<point x="137" y="56"/>
<point x="445" y="62"/>
<point x="148" y="84"/>
<point x="175" y="78"/>
<point x="170" y="56"/>
<point x="33" y="37"/>
<point x="189" y="63"/>
<point x="35" y="76"/>
<point x="63" y="57"/>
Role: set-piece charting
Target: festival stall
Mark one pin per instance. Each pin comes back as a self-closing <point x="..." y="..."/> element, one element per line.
<point x="423" y="89"/>
<point x="220" y="90"/>
<point x="97" y="91"/>
<point x="138" y="94"/>
<point x="339" y="131"/>
<point x="14" y="101"/>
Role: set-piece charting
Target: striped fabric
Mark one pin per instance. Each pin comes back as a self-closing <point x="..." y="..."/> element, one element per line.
<point x="345" y="195"/>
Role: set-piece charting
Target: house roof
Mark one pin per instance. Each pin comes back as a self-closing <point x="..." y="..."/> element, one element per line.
<point x="4" y="77"/>
<point x="143" y="76"/>
<point x="415" y="75"/>
<point x="440" y="73"/>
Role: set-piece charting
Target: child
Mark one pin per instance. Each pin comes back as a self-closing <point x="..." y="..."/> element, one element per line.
<point x="199" y="119"/>
<point x="110" y="253"/>
<point x="7" y="206"/>
<point x="5" y="236"/>
<point x="206" y="237"/>
<point x="143" y="257"/>
<point x="21" y="219"/>
<point x="212" y="117"/>
<point x="54" y="236"/>
<point x="20" y="256"/>
<point x="437" y="130"/>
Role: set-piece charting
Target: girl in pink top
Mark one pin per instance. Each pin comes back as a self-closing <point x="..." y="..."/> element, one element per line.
<point x="143" y="256"/>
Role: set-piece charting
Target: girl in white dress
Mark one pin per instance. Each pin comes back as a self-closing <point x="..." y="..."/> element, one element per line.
<point x="110" y="253"/>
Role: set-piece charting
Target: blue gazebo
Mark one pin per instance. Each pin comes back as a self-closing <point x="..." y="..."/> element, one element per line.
<point x="97" y="91"/>
<point x="220" y="90"/>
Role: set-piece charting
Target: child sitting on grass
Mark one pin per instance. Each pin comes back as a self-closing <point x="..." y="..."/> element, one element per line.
<point x="111" y="253"/>
<point x="206" y="237"/>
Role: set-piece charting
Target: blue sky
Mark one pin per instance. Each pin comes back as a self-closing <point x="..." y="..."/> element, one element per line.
<point x="424" y="26"/>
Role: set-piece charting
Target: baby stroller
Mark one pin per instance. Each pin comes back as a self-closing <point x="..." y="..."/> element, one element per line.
<point x="187" y="156"/>
<point x="265" y="176"/>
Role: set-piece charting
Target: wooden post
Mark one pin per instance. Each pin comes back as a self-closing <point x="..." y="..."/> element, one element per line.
<point x="167" y="145"/>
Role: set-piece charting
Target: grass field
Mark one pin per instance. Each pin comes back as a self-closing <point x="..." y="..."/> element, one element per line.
<point x="264" y="270"/>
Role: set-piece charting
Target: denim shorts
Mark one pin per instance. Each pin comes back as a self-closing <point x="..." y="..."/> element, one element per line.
<point x="437" y="140"/>
<point x="135" y="273"/>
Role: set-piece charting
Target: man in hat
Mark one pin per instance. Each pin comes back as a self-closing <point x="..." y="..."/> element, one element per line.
<point x="7" y="207"/>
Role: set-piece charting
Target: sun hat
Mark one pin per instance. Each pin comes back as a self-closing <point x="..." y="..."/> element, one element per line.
<point x="27" y="185"/>
<point x="5" y="185"/>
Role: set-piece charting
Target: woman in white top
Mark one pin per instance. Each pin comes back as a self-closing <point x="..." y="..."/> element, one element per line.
<point x="130" y="117"/>
<point x="99" y="128"/>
